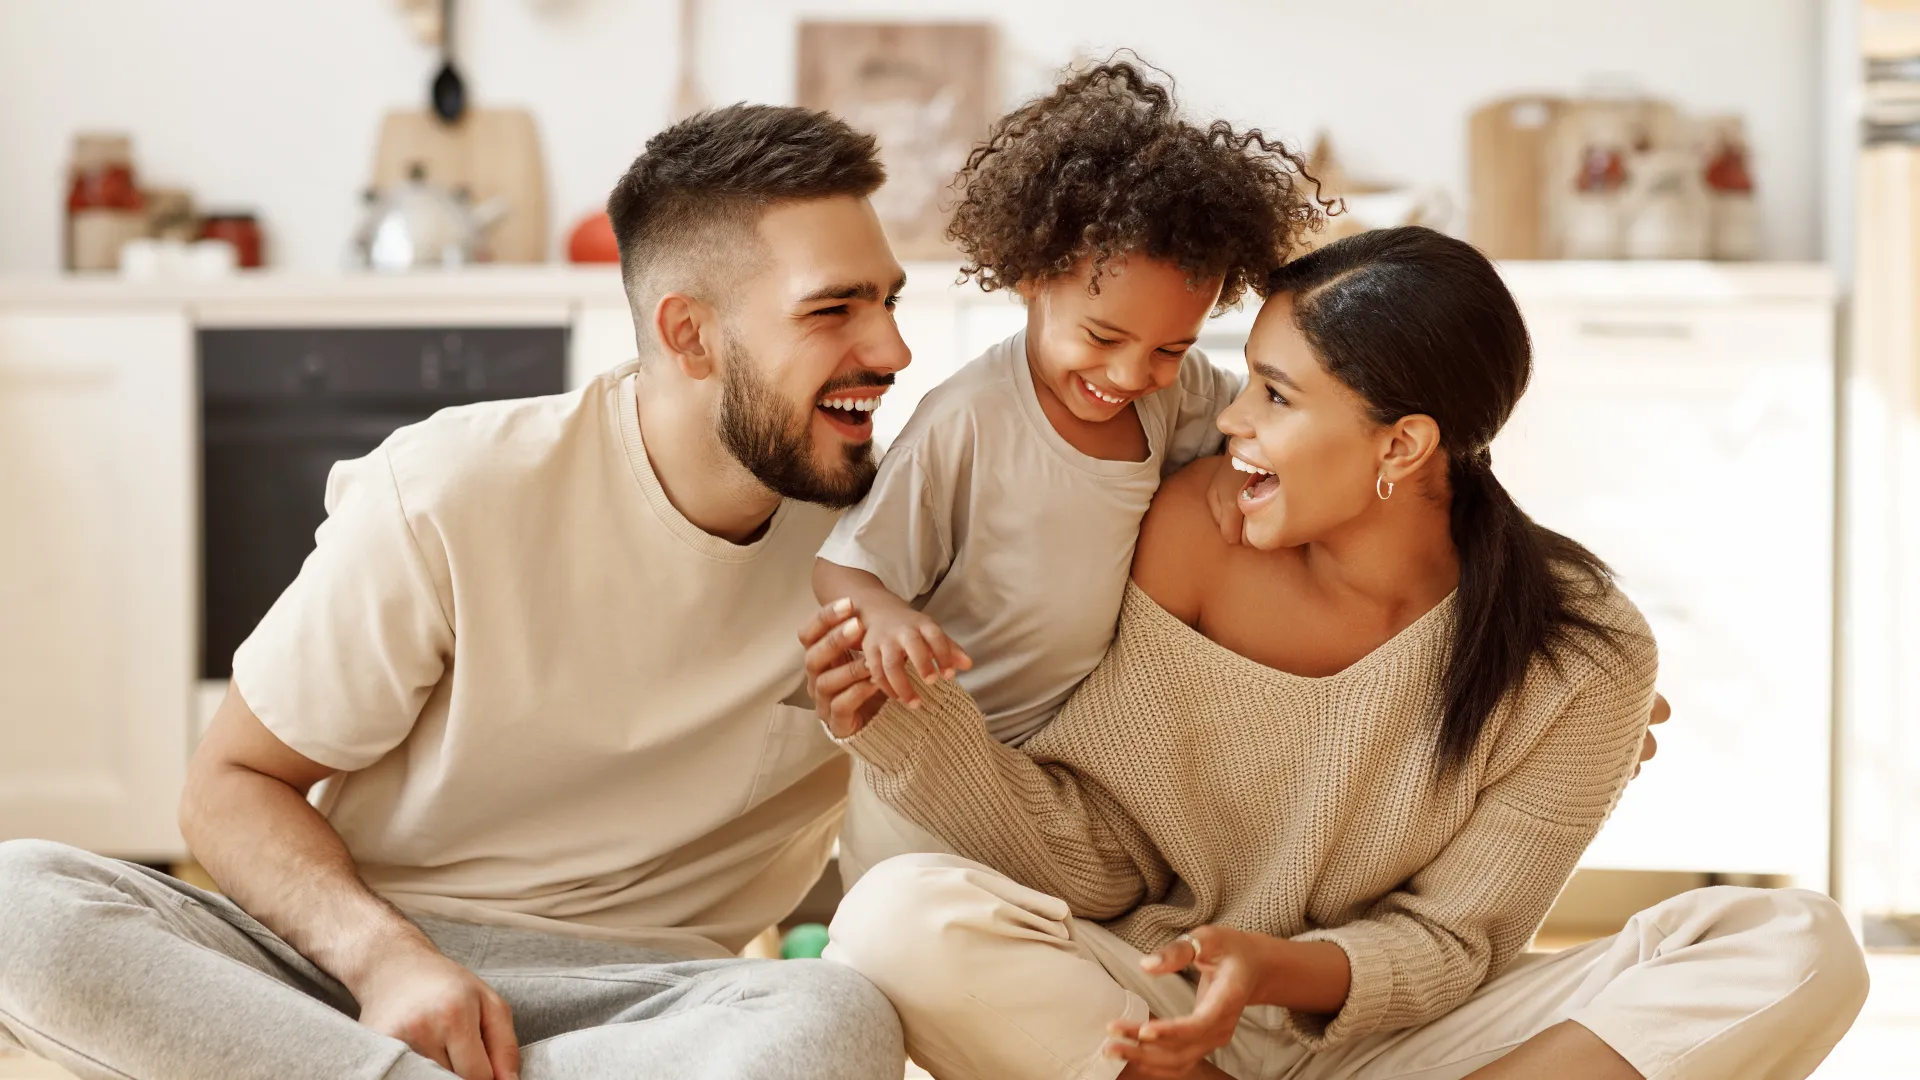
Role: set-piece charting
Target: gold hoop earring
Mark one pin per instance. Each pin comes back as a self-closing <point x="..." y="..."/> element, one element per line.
<point x="1380" y="481"/>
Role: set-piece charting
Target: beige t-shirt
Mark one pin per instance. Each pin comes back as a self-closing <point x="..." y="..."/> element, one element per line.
<point x="1016" y="543"/>
<point x="555" y="703"/>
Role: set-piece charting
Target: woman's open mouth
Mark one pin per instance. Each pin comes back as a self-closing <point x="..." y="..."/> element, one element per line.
<point x="1261" y="483"/>
<point x="851" y="414"/>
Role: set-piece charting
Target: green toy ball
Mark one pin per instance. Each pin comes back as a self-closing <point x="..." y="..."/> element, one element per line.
<point x="804" y="942"/>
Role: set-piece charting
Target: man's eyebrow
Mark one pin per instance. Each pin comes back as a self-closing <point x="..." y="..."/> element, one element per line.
<point x="1274" y="374"/>
<point x="852" y="290"/>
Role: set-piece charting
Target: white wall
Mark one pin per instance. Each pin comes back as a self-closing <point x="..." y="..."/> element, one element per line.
<point x="274" y="103"/>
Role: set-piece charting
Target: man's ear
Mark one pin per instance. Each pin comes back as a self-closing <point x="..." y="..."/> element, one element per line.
<point x="1412" y="442"/>
<point x="680" y="323"/>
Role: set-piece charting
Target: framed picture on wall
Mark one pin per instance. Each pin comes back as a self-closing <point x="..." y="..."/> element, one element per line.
<point x="926" y="91"/>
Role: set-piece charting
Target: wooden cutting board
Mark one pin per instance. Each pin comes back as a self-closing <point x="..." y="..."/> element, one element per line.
<point x="1506" y="143"/>
<point x="490" y="152"/>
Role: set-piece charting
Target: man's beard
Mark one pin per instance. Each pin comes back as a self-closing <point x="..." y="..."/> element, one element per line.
<point x="760" y="429"/>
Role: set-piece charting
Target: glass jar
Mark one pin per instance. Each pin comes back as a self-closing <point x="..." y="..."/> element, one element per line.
<point x="104" y="205"/>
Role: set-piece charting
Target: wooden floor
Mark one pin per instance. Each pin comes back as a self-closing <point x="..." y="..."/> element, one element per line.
<point x="1884" y="1045"/>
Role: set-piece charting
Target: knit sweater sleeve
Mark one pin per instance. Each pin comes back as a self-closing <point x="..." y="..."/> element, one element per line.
<point x="1426" y="947"/>
<point x="1039" y="821"/>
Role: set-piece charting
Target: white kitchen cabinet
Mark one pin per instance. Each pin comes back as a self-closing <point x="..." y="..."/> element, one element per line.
<point x="97" y="468"/>
<point x="1690" y="444"/>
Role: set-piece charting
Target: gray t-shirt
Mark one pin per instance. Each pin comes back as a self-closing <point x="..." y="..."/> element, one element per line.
<point x="1016" y="543"/>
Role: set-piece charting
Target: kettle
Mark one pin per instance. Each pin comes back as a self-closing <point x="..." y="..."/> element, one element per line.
<point x="416" y="225"/>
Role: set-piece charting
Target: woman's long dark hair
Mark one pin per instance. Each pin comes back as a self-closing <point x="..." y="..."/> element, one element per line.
<point x="1417" y="322"/>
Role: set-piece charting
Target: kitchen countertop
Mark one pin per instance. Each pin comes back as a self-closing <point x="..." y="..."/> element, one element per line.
<point x="533" y="283"/>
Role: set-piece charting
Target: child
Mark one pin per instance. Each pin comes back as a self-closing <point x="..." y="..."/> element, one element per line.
<point x="995" y="543"/>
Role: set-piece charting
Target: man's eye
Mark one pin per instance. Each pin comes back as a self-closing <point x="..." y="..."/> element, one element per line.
<point x="837" y="309"/>
<point x="892" y="302"/>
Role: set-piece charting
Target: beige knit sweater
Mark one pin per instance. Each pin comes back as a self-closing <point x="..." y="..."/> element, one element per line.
<point x="1184" y="784"/>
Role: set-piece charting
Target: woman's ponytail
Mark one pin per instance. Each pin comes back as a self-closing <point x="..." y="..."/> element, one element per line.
<point x="1510" y="602"/>
<point x="1420" y="323"/>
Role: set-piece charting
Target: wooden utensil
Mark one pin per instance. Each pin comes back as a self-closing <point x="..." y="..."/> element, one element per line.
<point x="492" y="153"/>
<point x="1506" y="146"/>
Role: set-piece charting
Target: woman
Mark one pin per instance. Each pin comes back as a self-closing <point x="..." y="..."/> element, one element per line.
<point x="1342" y="768"/>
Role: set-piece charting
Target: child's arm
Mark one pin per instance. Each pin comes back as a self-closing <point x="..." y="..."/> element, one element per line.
<point x="898" y="638"/>
<point x="1206" y="391"/>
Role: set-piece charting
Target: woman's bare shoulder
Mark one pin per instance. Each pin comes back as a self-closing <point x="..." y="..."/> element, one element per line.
<point x="1184" y="536"/>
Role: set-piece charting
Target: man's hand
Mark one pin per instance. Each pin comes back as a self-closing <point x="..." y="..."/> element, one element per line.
<point x="843" y="694"/>
<point x="1231" y="964"/>
<point x="441" y="1010"/>
<point x="900" y="642"/>
<point x="1649" y="745"/>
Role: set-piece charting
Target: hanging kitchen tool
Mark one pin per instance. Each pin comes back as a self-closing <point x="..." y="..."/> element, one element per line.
<point x="449" y="93"/>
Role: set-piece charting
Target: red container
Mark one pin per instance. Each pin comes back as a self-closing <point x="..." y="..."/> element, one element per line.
<point x="242" y="230"/>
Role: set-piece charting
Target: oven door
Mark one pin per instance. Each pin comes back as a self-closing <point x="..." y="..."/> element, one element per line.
<point x="264" y="475"/>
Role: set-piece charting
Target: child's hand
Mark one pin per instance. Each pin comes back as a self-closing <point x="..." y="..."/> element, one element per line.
<point x="901" y="642"/>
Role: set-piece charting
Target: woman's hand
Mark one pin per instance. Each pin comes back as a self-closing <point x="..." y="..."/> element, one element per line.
<point x="1223" y="499"/>
<point x="843" y="692"/>
<point x="1231" y="965"/>
<point x="1649" y="745"/>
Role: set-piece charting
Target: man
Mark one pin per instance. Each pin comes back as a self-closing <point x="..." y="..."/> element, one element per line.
<point x="516" y="762"/>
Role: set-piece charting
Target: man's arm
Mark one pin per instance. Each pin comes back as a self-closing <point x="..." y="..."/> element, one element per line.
<point x="247" y="821"/>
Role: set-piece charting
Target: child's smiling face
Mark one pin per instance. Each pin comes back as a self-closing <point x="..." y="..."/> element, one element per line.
<point x="1097" y="353"/>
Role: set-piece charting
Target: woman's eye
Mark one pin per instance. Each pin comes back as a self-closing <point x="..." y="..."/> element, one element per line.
<point x="1175" y="354"/>
<point x="1275" y="396"/>
<point x="1098" y="340"/>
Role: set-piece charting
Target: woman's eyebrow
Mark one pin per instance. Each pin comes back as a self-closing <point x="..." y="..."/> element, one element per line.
<point x="1274" y="374"/>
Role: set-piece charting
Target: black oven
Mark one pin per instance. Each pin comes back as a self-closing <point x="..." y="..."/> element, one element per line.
<point x="280" y="406"/>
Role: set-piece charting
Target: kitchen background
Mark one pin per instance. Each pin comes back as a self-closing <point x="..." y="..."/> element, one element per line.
<point x="274" y="105"/>
<point x="1709" y="210"/>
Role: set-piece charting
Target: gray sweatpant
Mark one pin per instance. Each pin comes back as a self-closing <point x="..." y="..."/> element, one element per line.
<point x="114" y="970"/>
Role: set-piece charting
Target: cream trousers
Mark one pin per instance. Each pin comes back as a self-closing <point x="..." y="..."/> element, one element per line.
<point x="873" y="832"/>
<point x="997" y="981"/>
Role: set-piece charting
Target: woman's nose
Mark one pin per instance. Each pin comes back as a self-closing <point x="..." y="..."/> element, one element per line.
<point x="1233" y="420"/>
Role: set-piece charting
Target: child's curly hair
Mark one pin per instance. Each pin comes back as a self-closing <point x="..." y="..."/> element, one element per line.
<point x="1105" y="166"/>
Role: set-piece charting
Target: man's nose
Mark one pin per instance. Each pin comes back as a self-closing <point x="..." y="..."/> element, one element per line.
<point x="886" y="351"/>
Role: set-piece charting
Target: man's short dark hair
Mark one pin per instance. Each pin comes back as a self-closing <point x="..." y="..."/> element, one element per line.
<point x="687" y="205"/>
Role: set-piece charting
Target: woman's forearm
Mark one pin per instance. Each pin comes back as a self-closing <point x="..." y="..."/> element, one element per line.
<point x="1305" y="976"/>
<point x="1038" y="824"/>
